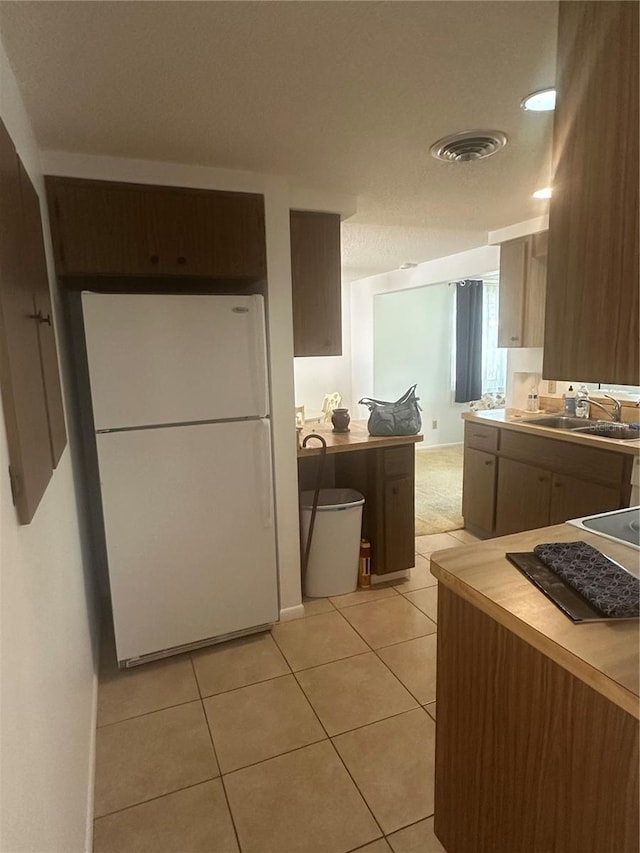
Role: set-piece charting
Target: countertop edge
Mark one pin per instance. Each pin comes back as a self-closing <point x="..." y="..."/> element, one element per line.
<point x="353" y="443"/>
<point x="501" y="419"/>
<point x="568" y="660"/>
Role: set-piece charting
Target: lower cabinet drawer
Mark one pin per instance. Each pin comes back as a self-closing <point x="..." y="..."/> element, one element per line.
<point x="588" y="463"/>
<point x="481" y="437"/>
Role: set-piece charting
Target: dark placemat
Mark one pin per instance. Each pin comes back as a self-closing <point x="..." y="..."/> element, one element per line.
<point x="570" y="602"/>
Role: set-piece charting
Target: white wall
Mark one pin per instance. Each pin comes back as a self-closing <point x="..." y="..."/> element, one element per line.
<point x="471" y="264"/>
<point x="46" y="645"/>
<point x="413" y="342"/>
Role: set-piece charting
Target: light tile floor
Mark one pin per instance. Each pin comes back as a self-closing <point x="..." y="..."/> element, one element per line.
<point x="316" y="737"/>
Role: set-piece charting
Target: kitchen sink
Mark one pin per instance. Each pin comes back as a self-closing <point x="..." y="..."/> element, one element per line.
<point x="561" y="422"/>
<point x="611" y="430"/>
<point x="587" y="426"/>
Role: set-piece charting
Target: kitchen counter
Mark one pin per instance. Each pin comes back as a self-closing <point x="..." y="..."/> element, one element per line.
<point x="512" y="419"/>
<point x="603" y="655"/>
<point x="537" y="734"/>
<point x="357" y="438"/>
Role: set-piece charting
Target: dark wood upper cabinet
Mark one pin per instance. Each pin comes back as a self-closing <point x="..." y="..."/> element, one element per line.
<point x="101" y="228"/>
<point x="34" y="417"/>
<point x="316" y="283"/>
<point x="591" y="329"/>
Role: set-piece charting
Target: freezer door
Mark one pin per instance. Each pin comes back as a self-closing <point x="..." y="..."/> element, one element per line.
<point x="189" y="525"/>
<point x="167" y="359"/>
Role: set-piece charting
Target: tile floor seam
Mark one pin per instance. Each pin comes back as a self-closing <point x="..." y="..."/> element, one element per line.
<point x="243" y="686"/>
<point x="215" y="755"/>
<point x="148" y="713"/>
<point x="362" y="603"/>
<point x="413" y="696"/>
<point x="158" y="797"/>
<point x="357" y="787"/>
<point x="382" y="719"/>
<point x="277" y="755"/>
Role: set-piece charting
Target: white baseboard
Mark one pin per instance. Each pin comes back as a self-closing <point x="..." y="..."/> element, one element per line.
<point x="288" y="613"/>
<point x="91" y="788"/>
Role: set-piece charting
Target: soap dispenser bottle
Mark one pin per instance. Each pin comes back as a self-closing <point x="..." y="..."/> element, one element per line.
<point x="582" y="402"/>
<point x="570" y="402"/>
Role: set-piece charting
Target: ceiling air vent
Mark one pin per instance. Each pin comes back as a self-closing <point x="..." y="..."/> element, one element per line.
<point x="470" y="145"/>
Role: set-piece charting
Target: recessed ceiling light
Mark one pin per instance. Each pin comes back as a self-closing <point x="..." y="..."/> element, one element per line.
<point x="408" y="265"/>
<point x="541" y="101"/>
<point x="543" y="193"/>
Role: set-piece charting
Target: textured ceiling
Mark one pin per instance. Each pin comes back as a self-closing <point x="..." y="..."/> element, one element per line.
<point x="341" y="96"/>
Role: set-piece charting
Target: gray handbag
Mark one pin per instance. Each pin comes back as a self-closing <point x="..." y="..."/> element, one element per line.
<point x="399" y="418"/>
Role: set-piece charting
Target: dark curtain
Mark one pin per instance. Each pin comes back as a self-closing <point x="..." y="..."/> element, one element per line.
<point x="468" y="341"/>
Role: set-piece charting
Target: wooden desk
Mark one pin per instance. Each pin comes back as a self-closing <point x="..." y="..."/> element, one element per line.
<point x="382" y="468"/>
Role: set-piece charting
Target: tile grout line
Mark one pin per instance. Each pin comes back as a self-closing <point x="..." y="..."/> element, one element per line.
<point x="157" y="797"/>
<point x="215" y="755"/>
<point x="147" y="713"/>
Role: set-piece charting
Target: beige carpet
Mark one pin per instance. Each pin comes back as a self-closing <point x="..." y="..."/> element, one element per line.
<point x="438" y="489"/>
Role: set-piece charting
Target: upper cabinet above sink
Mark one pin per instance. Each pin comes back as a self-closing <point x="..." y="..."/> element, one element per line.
<point x="523" y="277"/>
<point x="591" y="328"/>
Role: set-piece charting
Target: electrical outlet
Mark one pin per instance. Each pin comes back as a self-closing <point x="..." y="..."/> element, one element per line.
<point x="434" y="424"/>
<point x="551" y="385"/>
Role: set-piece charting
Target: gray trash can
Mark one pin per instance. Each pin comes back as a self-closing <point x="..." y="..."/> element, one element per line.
<point x="335" y="547"/>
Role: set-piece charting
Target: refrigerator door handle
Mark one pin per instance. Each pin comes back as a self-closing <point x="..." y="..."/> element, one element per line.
<point x="259" y="356"/>
<point x="265" y="475"/>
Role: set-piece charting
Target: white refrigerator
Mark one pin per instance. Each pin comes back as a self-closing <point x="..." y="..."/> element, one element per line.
<point x="179" y="390"/>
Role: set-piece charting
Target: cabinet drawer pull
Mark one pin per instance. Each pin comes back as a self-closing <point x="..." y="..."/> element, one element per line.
<point x="542" y="479"/>
<point x="395" y="490"/>
<point x="515" y="338"/>
<point x="488" y="461"/>
<point x="154" y="259"/>
<point x="182" y="259"/>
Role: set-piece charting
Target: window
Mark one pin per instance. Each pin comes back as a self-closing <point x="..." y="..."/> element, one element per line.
<point x="494" y="360"/>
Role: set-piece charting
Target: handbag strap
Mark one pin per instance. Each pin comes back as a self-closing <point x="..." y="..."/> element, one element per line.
<point x="371" y="401"/>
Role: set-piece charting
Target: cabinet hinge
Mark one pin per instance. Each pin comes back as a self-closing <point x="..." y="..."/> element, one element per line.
<point x="14" y="480"/>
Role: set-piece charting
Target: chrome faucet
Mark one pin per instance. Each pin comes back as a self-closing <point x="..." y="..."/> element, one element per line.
<point x="616" y="414"/>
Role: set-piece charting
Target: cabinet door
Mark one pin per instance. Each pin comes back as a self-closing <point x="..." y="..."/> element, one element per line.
<point x="212" y="234"/>
<point x="524" y="497"/>
<point x="38" y="281"/>
<point x="573" y="498"/>
<point x="591" y="328"/>
<point x="315" y="277"/>
<point x="399" y="524"/>
<point x="523" y="282"/>
<point x="23" y="398"/>
<point x="100" y="228"/>
<point x="479" y="489"/>
<point x="513" y="270"/>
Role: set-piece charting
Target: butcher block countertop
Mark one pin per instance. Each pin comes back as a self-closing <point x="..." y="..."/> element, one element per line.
<point x="357" y="438"/>
<point x="604" y="655"/>
<point x="512" y="419"/>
